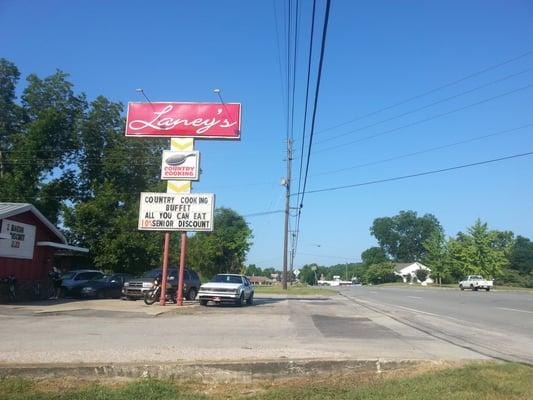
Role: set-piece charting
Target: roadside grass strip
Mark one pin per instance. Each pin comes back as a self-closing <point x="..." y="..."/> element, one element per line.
<point x="295" y="290"/>
<point x="488" y="381"/>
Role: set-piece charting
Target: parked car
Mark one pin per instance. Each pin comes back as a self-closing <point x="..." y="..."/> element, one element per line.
<point x="71" y="279"/>
<point x="475" y="282"/>
<point x="136" y="287"/>
<point x="227" y="288"/>
<point x="109" y="286"/>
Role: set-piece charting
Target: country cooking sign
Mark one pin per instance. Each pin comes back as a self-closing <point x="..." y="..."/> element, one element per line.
<point x="194" y="120"/>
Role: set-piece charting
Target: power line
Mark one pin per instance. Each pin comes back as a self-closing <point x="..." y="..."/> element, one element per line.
<point x="279" y="52"/>
<point x="295" y="56"/>
<point x="426" y="119"/>
<point x="313" y="119"/>
<point x="426" y="93"/>
<point x="397" y="178"/>
<point x="317" y="91"/>
<point x="427" y="150"/>
<point x="427" y="105"/>
<point x="304" y="130"/>
<point x="260" y="214"/>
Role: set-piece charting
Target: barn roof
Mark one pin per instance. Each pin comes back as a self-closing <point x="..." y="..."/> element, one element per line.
<point x="10" y="209"/>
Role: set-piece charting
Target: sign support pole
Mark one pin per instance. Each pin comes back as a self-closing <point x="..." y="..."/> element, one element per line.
<point x="163" y="297"/>
<point x="182" y="267"/>
<point x="181" y="144"/>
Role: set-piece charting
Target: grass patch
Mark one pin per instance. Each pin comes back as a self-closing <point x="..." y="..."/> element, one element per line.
<point x="295" y="290"/>
<point x="489" y="381"/>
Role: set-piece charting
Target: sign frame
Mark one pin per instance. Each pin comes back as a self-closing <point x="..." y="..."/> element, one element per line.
<point x="21" y="243"/>
<point x="185" y="164"/>
<point x="169" y="133"/>
<point x="181" y="207"/>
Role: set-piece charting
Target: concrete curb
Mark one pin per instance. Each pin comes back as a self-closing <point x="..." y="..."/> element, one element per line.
<point x="220" y="372"/>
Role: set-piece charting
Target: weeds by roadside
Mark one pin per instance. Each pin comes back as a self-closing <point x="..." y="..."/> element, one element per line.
<point x="492" y="381"/>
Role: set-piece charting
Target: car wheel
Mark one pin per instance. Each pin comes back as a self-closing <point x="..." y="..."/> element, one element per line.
<point x="461" y="287"/>
<point x="191" y="295"/>
<point x="487" y="289"/>
<point x="203" y="302"/>
<point x="250" y="300"/>
<point x="240" y="302"/>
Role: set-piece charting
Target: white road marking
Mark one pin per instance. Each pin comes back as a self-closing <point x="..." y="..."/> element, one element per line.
<point x="514" y="309"/>
<point x="373" y="292"/>
<point x="414" y="297"/>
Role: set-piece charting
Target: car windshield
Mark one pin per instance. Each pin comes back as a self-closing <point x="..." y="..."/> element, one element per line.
<point x="227" y="278"/>
<point x="68" y="275"/>
<point x="154" y="273"/>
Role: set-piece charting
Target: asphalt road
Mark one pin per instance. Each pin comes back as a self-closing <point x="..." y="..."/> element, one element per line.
<point x="497" y="323"/>
<point x="276" y="327"/>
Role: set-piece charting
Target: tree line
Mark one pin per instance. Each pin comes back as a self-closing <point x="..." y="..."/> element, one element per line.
<point x="407" y="237"/>
<point x="68" y="156"/>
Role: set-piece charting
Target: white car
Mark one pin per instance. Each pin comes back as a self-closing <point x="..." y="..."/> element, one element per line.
<point x="227" y="288"/>
<point x="475" y="282"/>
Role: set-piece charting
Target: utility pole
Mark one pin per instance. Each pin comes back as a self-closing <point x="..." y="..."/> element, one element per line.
<point x="287" y="183"/>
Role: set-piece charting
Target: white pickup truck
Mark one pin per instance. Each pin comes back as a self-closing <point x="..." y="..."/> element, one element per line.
<point x="475" y="282"/>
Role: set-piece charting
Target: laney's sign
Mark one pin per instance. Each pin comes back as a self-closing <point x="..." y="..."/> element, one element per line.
<point x="176" y="212"/>
<point x="194" y="120"/>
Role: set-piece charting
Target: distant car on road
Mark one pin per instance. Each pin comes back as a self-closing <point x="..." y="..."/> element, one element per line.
<point x="475" y="282"/>
<point x="72" y="279"/>
<point x="137" y="287"/>
<point x="109" y="286"/>
<point x="227" y="288"/>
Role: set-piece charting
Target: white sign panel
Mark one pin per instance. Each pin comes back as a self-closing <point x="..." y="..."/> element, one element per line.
<point x="180" y="165"/>
<point x="191" y="212"/>
<point x="20" y="240"/>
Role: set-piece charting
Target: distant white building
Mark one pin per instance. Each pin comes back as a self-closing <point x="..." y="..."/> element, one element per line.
<point x="408" y="272"/>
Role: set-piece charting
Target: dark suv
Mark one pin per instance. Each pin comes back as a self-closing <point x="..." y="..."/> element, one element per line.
<point x="136" y="287"/>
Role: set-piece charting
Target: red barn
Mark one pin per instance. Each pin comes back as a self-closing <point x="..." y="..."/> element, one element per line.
<point x="30" y="244"/>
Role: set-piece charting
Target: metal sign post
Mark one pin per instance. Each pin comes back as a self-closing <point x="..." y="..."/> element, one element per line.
<point x="182" y="268"/>
<point x="163" y="297"/>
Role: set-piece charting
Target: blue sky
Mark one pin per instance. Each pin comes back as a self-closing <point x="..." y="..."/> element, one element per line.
<point x="377" y="54"/>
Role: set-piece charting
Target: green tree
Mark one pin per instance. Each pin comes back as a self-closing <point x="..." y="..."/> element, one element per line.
<point x="38" y="140"/>
<point x="108" y="227"/>
<point x="380" y="273"/>
<point x="10" y="112"/>
<point x="309" y="274"/>
<point x="436" y="257"/>
<point x="478" y="252"/>
<point x="402" y="236"/>
<point x="373" y="255"/>
<point x="224" y="249"/>
<point x="521" y="255"/>
<point x="104" y="214"/>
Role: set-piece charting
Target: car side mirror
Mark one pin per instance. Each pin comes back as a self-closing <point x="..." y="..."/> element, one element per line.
<point x="171" y="278"/>
<point x="113" y="281"/>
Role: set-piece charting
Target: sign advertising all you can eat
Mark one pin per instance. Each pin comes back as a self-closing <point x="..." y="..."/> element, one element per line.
<point x="194" y="120"/>
<point x="182" y="165"/>
<point x="188" y="212"/>
<point x="20" y="242"/>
